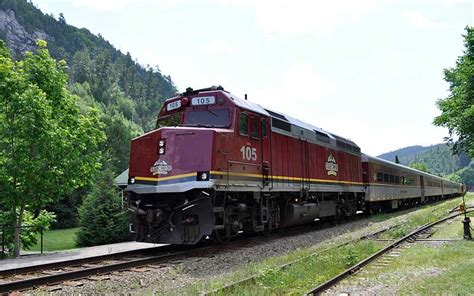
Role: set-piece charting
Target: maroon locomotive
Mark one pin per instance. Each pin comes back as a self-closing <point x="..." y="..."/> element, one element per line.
<point x="230" y="166"/>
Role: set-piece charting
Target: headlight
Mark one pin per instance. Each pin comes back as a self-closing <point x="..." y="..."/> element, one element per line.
<point x="161" y="150"/>
<point x="132" y="180"/>
<point x="161" y="143"/>
<point x="202" y="176"/>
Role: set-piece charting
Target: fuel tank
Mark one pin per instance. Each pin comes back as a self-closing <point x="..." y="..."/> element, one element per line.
<point x="297" y="214"/>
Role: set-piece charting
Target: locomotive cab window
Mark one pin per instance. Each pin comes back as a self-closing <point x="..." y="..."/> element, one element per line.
<point x="254" y="131"/>
<point x="243" y="124"/>
<point x="208" y="118"/>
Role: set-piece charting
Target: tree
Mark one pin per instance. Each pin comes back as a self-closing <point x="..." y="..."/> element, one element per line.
<point x="396" y="159"/>
<point x="101" y="216"/>
<point x="455" y="178"/>
<point x="120" y="131"/>
<point x="61" y="18"/>
<point x="419" y="166"/>
<point x="48" y="147"/>
<point x="457" y="110"/>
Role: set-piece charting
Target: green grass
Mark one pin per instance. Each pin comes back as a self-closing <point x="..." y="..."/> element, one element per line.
<point x="427" y="214"/>
<point x="453" y="228"/>
<point x="427" y="269"/>
<point x="55" y="240"/>
<point x="298" y="278"/>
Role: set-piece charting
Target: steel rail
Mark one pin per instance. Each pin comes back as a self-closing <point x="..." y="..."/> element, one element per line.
<point x="24" y="284"/>
<point x="333" y="281"/>
<point x="79" y="261"/>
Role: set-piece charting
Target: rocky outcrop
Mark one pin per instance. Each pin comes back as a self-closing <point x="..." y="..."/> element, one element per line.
<point x="18" y="39"/>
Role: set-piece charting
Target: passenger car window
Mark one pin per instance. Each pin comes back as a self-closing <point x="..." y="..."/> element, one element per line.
<point x="243" y="124"/>
<point x="380" y="177"/>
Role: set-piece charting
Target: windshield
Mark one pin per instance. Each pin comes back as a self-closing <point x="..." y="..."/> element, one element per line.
<point x="208" y="118"/>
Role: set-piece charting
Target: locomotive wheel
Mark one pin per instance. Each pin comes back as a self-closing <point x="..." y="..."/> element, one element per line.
<point x="220" y="235"/>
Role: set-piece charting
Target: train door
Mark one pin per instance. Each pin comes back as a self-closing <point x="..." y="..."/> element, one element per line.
<point x="266" y="152"/>
<point x="304" y="165"/>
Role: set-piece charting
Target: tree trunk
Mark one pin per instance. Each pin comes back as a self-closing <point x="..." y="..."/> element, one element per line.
<point x="16" y="233"/>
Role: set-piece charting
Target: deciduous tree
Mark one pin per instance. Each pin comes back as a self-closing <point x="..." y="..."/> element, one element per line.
<point x="48" y="147"/>
<point x="419" y="166"/>
<point x="457" y="110"/>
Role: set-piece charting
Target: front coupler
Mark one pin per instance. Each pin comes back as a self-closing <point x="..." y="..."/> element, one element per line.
<point x="186" y="224"/>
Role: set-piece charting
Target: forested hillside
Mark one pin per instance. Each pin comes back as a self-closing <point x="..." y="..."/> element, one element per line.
<point x="438" y="158"/>
<point x="127" y="94"/>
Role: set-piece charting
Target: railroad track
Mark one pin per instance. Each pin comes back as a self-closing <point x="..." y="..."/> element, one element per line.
<point x="230" y="286"/>
<point x="56" y="273"/>
<point x="31" y="277"/>
<point x="422" y="233"/>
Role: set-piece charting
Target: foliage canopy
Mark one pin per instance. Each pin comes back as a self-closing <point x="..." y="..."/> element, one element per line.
<point x="457" y="110"/>
<point x="48" y="146"/>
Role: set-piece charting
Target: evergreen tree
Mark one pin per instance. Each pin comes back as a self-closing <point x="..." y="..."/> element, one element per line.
<point x="101" y="216"/>
<point x="61" y="18"/>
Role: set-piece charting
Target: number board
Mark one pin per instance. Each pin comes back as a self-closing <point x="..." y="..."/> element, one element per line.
<point x="197" y="101"/>
<point x="173" y="105"/>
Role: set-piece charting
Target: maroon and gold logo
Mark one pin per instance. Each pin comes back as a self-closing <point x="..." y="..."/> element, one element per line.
<point x="331" y="166"/>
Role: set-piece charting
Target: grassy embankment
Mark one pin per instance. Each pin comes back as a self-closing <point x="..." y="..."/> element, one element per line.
<point x="56" y="240"/>
<point x="430" y="267"/>
<point x="325" y="260"/>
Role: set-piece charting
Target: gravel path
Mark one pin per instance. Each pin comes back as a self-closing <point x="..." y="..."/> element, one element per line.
<point x="170" y="278"/>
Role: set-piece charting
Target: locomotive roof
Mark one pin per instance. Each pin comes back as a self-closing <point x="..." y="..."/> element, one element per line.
<point x="257" y="108"/>
<point x="275" y="114"/>
<point x="374" y="159"/>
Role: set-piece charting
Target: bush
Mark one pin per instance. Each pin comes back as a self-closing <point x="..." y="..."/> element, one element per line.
<point x="101" y="216"/>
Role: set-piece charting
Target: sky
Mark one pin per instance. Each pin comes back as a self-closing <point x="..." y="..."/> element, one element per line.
<point x="367" y="70"/>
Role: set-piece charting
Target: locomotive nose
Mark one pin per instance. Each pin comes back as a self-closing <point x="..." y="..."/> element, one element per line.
<point x="167" y="154"/>
<point x="171" y="169"/>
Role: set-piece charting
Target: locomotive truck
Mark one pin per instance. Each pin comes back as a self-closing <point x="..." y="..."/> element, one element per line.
<point x="228" y="166"/>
